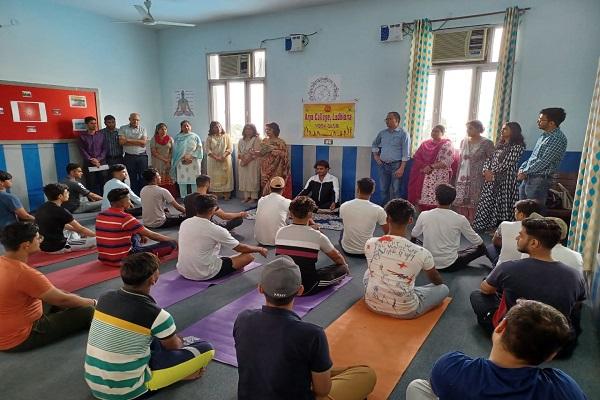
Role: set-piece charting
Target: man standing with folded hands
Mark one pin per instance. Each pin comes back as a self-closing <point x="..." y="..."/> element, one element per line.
<point x="281" y="357"/>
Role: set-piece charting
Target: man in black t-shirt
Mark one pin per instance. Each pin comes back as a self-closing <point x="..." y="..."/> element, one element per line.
<point x="55" y="221"/>
<point x="282" y="357"/>
<point x="77" y="191"/>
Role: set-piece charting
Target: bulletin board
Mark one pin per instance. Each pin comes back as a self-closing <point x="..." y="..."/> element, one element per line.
<point x="32" y="112"/>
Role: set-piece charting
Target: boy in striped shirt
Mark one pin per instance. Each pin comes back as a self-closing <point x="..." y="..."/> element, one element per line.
<point x="119" y="233"/>
<point x="132" y="345"/>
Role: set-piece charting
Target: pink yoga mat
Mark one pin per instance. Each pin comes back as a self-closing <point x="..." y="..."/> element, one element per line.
<point x="88" y="274"/>
<point x="172" y="287"/>
<point x="217" y="328"/>
<point x="41" y="259"/>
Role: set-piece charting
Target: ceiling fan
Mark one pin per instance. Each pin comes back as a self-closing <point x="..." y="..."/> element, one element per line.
<point x="148" y="19"/>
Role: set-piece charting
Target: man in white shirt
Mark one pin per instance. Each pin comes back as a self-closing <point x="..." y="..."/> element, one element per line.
<point x="360" y="218"/>
<point x="393" y="266"/>
<point x="504" y="239"/>
<point x="442" y="228"/>
<point x="155" y="199"/>
<point x="200" y="242"/>
<point x="119" y="174"/>
<point x="133" y="138"/>
<point x="271" y="213"/>
<point x="561" y="253"/>
<point x="323" y="188"/>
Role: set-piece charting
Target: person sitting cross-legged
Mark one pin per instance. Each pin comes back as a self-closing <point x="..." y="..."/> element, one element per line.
<point x="133" y="346"/>
<point x="360" y="217"/>
<point x="271" y="213"/>
<point x="531" y="333"/>
<point x="281" y="357"/>
<point x="302" y="243"/>
<point x="200" y="242"/>
<point x="34" y="312"/>
<point x="155" y="199"/>
<point x="538" y="277"/>
<point x="119" y="175"/>
<point x="119" y="233"/>
<point x="504" y="237"/>
<point x="77" y="191"/>
<point x="393" y="264"/>
<point x="442" y="229"/>
<point x="323" y="188"/>
<point x="61" y="232"/>
<point x="232" y="220"/>
<point x="11" y="208"/>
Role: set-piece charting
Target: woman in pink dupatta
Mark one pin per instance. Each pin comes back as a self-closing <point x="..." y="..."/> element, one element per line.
<point x="431" y="166"/>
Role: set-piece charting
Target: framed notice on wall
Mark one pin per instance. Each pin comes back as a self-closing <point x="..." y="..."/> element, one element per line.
<point x="34" y="112"/>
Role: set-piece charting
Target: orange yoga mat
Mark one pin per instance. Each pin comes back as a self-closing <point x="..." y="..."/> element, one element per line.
<point x="386" y="344"/>
<point x="88" y="274"/>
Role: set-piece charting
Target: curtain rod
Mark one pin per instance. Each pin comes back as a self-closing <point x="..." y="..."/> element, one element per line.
<point x="521" y="10"/>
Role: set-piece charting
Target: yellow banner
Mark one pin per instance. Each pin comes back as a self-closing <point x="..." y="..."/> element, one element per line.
<point x="329" y="120"/>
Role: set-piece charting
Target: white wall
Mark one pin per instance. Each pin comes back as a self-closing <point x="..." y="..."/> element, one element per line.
<point x="59" y="45"/>
<point x="558" y="49"/>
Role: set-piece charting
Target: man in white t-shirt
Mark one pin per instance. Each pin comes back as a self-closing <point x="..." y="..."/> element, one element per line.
<point x="442" y="228"/>
<point x="200" y="242"/>
<point x="155" y="199"/>
<point x="561" y="253"/>
<point x="505" y="237"/>
<point x="360" y="218"/>
<point x="393" y="266"/>
<point x="271" y="213"/>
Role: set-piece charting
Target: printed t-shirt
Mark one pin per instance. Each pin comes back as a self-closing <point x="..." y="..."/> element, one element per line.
<point x="271" y="214"/>
<point x="114" y="229"/>
<point x="200" y="242"/>
<point x="118" y="348"/>
<point x="51" y="220"/>
<point x="154" y="200"/>
<point x="20" y="289"/>
<point x="276" y="353"/>
<point x="393" y="266"/>
<point x="76" y="191"/>
<point x="360" y="218"/>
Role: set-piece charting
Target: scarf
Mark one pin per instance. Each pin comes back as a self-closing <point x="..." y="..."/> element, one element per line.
<point x="162" y="140"/>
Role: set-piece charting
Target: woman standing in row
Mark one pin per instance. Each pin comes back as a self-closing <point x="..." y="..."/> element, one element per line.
<point x="161" y="149"/>
<point x="219" y="166"/>
<point x="275" y="158"/>
<point x="248" y="152"/>
<point x="500" y="190"/>
<point x="187" y="159"/>
<point x="474" y="151"/>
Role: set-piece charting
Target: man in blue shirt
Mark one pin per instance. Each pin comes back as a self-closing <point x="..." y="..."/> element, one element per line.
<point x="391" y="152"/>
<point x="11" y="208"/>
<point x="530" y="334"/>
<point x="535" y="174"/>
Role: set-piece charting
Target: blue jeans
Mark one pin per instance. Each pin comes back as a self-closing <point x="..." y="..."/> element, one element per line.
<point x="389" y="185"/>
<point x="535" y="187"/>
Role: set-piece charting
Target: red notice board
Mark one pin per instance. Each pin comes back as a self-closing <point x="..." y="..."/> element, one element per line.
<point x="43" y="112"/>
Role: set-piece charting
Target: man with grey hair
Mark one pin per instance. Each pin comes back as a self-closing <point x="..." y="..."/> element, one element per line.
<point x="282" y="357"/>
<point x="133" y="138"/>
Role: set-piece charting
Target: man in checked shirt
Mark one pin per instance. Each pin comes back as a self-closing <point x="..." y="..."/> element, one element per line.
<point x="535" y="173"/>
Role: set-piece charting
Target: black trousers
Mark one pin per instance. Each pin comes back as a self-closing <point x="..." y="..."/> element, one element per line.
<point x="327" y="276"/>
<point x="465" y="257"/>
<point x="485" y="306"/>
<point x="136" y="164"/>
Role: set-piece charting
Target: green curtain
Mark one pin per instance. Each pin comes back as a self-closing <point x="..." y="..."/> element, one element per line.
<point x="584" y="234"/>
<point x="418" y="75"/>
<point x="504" y="77"/>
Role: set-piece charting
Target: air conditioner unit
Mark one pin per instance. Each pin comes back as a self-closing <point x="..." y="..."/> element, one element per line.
<point x="464" y="45"/>
<point x="234" y="65"/>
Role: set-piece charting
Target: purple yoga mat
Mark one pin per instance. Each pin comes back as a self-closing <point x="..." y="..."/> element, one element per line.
<point x="172" y="287"/>
<point x="217" y="328"/>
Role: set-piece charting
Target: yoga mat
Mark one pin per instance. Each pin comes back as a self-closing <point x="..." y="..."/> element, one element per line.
<point x="386" y="344"/>
<point x="172" y="287"/>
<point x="41" y="259"/>
<point x="217" y="328"/>
<point x="88" y="274"/>
<point x="324" y="221"/>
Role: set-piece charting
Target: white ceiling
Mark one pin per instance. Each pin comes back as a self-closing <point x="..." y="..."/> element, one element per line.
<point x="189" y="11"/>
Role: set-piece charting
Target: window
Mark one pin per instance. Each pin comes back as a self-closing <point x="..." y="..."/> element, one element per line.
<point x="237" y="90"/>
<point x="457" y="93"/>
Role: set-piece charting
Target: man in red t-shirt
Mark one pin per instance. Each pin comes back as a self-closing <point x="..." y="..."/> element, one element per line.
<point x="119" y="234"/>
<point x="24" y="294"/>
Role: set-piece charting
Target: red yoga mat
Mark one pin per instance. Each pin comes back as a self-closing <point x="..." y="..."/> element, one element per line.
<point x="88" y="274"/>
<point x="41" y="259"/>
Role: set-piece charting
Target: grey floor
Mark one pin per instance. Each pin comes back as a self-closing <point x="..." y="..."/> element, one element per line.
<point x="56" y="372"/>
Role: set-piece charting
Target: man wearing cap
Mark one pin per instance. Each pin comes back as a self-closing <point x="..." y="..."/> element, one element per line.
<point x="282" y="357"/>
<point x="271" y="213"/>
